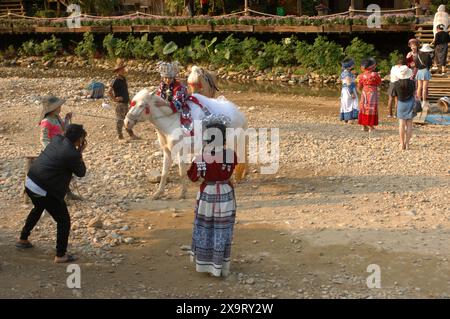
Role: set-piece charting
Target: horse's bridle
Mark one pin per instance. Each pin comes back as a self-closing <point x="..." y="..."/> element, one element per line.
<point x="142" y="107"/>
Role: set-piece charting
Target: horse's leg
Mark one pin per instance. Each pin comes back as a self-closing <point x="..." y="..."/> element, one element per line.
<point x="182" y="171"/>
<point x="242" y="168"/>
<point x="167" y="162"/>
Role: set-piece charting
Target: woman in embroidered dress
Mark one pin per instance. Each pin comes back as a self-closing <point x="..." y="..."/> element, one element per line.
<point x="173" y="91"/>
<point x="349" y="98"/>
<point x="52" y="125"/>
<point x="368" y="81"/>
<point x="50" y="122"/>
<point x="215" y="211"/>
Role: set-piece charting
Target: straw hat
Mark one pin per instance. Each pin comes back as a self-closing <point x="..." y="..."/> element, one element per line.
<point x="168" y="69"/>
<point x="404" y="72"/>
<point x="426" y="48"/>
<point x="444" y="104"/>
<point x="49" y="104"/>
<point x="120" y="64"/>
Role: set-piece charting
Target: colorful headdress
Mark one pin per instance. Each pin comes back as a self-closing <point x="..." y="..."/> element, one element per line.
<point x="168" y="69"/>
<point x="214" y="120"/>
<point x="368" y="64"/>
<point x="348" y="63"/>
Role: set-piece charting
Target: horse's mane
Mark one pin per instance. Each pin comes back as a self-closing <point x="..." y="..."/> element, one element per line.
<point x="203" y="78"/>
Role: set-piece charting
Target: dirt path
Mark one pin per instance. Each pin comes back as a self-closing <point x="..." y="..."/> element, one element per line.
<point x="341" y="201"/>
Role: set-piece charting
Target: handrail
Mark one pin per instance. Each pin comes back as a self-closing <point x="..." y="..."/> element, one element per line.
<point x="146" y="15"/>
<point x="413" y="9"/>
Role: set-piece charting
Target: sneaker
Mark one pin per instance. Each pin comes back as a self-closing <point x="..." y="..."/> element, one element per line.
<point x="72" y="196"/>
<point x="135" y="137"/>
<point x="64" y="259"/>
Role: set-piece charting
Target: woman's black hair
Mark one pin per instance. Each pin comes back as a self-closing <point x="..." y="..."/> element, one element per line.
<point x="402" y="61"/>
<point x="74" y="132"/>
<point x="223" y="130"/>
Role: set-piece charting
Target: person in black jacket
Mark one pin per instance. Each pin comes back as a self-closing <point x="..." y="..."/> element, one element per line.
<point x="47" y="184"/>
<point x="441" y="40"/>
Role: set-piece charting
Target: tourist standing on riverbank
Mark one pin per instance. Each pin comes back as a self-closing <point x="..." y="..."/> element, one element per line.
<point x="393" y="78"/>
<point x="368" y="82"/>
<point x="118" y="92"/>
<point x="441" y="17"/>
<point x="404" y="91"/>
<point x="349" y="96"/>
<point x="414" y="44"/>
<point x="423" y="61"/>
<point x="441" y="40"/>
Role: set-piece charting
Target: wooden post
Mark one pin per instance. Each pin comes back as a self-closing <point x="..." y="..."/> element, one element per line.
<point x="352" y="7"/>
<point x="246" y="8"/>
<point x="299" y="7"/>
<point x="418" y="8"/>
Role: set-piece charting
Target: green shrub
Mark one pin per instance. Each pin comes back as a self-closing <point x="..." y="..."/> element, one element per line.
<point x="359" y="50"/>
<point x="228" y="52"/>
<point x="110" y="44"/>
<point x="45" y="14"/>
<point x="384" y="66"/>
<point x="158" y="47"/>
<point x="323" y="56"/>
<point x="142" y="48"/>
<point x="86" y="48"/>
<point x="29" y="48"/>
<point x="52" y="45"/>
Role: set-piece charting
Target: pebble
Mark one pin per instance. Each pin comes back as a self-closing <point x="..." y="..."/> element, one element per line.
<point x="95" y="223"/>
<point x="250" y="281"/>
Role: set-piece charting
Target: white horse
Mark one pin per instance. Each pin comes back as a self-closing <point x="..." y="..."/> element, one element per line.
<point x="202" y="81"/>
<point x="147" y="106"/>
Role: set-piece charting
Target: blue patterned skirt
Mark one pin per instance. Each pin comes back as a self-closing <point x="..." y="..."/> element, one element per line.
<point x="212" y="235"/>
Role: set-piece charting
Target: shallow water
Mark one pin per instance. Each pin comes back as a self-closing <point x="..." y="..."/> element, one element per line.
<point x="325" y="91"/>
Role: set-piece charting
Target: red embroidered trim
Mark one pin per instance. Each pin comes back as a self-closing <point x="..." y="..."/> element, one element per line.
<point x="195" y="100"/>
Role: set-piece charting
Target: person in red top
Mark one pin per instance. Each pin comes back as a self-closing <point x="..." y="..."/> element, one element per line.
<point x="411" y="56"/>
<point x="173" y="91"/>
<point x="368" y="82"/>
<point x="215" y="211"/>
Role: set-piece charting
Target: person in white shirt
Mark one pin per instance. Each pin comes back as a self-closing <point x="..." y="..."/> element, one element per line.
<point x="394" y="78"/>
<point x="441" y="17"/>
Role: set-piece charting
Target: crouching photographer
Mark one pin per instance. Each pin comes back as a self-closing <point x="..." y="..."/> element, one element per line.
<point x="47" y="184"/>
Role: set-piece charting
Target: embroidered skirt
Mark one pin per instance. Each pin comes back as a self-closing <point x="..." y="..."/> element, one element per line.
<point x="368" y="106"/>
<point x="349" y="106"/>
<point x="212" y="235"/>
